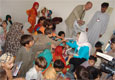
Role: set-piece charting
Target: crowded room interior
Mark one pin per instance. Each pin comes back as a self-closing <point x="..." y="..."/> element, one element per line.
<point x="57" y="40"/>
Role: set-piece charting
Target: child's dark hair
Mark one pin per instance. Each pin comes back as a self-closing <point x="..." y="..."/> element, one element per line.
<point x="93" y="58"/>
<point x="113" y="40"/>
<point x="61" y="32"/>
<point x="5" y="22"/>
<point x="8" y="16"/>
<point x="41" y="62"/>
<point x="3" y="74"/>
<point x="98" y="44"/>
<point x="25" y="39"/>
<point x="82" y="73"/>
<point x="47" y="23"/>
<point x="105" y="5"/>
<point x="58" y="64"/>
<point x="48" y="31"/>
<point x="57" y="19"/>
<point x="41" y="18"/>
<point x="93" y="72"/>
<point x="54" y="27"/>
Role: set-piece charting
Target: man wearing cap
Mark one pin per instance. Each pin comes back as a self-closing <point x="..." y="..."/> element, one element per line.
<point x="77" y="15"/>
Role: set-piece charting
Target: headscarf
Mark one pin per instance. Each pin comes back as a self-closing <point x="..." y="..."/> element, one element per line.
<point x="6" y="57"/>
<point x="58" y="53"/>
<point x="83" y="40"/>
<point x="58" y="50"/>
<point x="47" y="55"/>
<point x="49" y="14"/>
<point x="13" y="37"/>
<point x="35" y="3"/>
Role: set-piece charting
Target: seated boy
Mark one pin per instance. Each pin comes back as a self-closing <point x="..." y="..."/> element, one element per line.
<point x="98" y="46"/>
<point x="36" y="71"/>
<point x="61" y="34"/>
<point x="91" y="62"/>
<point x="27" y="52"/>
<point x="58" y="66"/>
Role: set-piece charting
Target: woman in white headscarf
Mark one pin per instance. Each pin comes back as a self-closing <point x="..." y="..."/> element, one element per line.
<point x="82" y="49"/>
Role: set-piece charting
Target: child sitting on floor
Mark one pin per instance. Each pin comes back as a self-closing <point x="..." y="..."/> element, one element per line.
<point x="36" y="71"/>
<point x="91" y="62"/>
<point x="40" y="23"/>
<point x="57" y="67"/>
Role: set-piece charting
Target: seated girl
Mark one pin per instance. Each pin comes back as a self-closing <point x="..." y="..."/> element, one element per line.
<point x="58" y="54"/>
<point x="39" y="24"/>
<point x="47" y="24"/>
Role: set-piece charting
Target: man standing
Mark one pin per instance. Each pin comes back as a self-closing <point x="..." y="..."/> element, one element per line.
<point x="78" y="15"/>
<point x="98" y="24"/>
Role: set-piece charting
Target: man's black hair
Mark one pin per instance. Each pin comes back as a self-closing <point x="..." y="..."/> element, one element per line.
<point x="105" y="5"/>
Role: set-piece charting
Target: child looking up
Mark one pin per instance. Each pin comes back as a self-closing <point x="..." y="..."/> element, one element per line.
<point x="27" y="52"/>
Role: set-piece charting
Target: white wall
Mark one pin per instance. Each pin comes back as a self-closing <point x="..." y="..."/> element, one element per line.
<point x="62" y="8"/>
<point x="16" y="8"/>
<point x="0" y="8"/>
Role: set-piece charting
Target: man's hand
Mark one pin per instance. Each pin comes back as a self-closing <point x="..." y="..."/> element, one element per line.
<point x="80" y="22"/>
<point x="86" y="29"/>
<point x="0" y="20"/>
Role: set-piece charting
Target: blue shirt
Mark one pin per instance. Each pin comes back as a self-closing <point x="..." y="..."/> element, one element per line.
<point x="83" y="52"/>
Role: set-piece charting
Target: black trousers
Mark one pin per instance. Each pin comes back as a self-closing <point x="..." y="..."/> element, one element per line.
<point x="76" y="62"/>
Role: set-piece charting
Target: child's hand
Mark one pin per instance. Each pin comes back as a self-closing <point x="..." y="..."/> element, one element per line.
<point x="53" y="46"/>
<point x="69" y="58"/>
<point x="64" y="40"/>
<point x="56" y="38"/>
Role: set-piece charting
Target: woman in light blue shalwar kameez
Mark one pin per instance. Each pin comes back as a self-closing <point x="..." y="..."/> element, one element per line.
<point x="82" y="50"/>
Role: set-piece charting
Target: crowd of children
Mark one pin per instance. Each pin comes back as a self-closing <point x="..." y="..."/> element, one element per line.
<point x="44" y="55"/>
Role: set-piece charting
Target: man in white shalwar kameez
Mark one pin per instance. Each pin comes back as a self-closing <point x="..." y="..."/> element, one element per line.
<point x="98" y="24"/>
